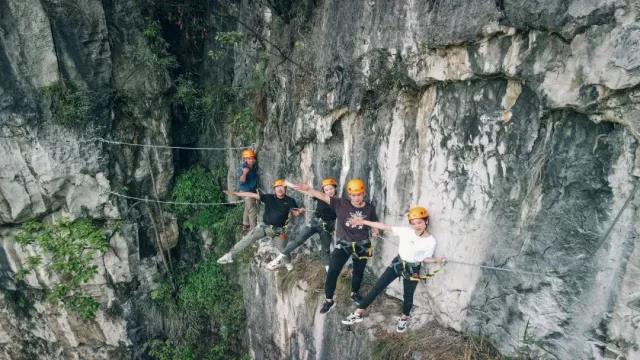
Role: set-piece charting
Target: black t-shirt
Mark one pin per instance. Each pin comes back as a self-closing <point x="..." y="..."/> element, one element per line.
<point x="276" y="210"/>
<point x="324" y="211"/>
<point x="345" y="210"/>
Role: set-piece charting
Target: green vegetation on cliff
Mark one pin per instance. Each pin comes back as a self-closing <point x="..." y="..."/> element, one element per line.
<point x="202" y="313"/>
<point x="69" y="248"/>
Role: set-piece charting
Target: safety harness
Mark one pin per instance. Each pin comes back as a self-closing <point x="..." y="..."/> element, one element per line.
<point x="359" y="251"/>
<point x="411" y="270"/>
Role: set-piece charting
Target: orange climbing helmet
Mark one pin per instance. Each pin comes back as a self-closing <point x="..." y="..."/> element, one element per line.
<point x="279" y="182"/>
<point x="248" y="153"/>
<point x="355" y="187"/>
<point x="418" y="212"/>
<point x="329" y="181"/>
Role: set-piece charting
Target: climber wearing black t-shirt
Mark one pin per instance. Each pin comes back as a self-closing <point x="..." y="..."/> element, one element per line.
<point x="278" y="206"/>
<point x="351" y="241"/>
<point x="323" y="223"/>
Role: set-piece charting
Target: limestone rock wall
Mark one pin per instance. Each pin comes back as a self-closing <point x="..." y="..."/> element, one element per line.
<point x="514" y="122"/>
<point x="51" y="169"/>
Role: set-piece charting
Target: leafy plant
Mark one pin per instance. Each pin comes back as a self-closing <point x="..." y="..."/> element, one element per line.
<point x="198" y="185"/>
<point x="207" y="299"/>
<point x="169" y="350"/>
<point x="69" y="107"/>
<point x="155" y="55"/>
<point x="71" y="247"/>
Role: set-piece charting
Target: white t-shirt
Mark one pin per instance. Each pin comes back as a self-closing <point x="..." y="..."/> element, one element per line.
<point x="411" y="247"/>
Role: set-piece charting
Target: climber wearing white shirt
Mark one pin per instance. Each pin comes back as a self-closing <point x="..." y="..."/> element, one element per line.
<point x="416" y="245"/>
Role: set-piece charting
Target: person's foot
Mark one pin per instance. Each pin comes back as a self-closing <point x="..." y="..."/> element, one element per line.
<point x="326" y="269"/>
<point x="246" y="229"/>
<point x="352" y="319"/>
<point x="226" y="259"/>
<point x="289" y="266"/>
<point x="276" y="263"/>
<point x="326" y="307"/>
<point x="356" y="298"/>
<point x="403" y="323"/>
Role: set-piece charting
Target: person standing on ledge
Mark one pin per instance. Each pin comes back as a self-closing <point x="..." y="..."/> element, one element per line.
<point x="416" y="246"/>
<point x="323" y="224"/>
<point x="248" y="182"/>
<point x="351" y="241"/>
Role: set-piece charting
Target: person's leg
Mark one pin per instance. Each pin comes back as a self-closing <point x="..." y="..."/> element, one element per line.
<point x="358" y="273"/>
<point x="255" y="234"/>
<point x="407" y="297"/>
<point x="384" y="280"/>
<point x="325" y="245"/>
<point x="306" y="233"/>
<point x="339" y="257"/>
<point x="250" y="214"/>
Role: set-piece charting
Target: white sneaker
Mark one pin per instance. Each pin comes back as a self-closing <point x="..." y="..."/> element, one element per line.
<point x="326" y="269"/>
<point x="352" y="319"/>
<point x="402" y="325"/>
<point x="226" y="259"/>
<point x="289" y="266"/>
<point x="276" y="263"/>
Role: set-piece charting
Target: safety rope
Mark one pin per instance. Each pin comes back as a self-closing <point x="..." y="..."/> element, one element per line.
<point x="524" y="272"/>
<point x="517" y="271"/>
<point x="171" y="202"/>
<point x="106" y="141"/>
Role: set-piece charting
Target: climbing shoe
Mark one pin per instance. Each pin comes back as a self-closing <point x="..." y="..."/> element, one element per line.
<point x="276" y="263"/>
<point x="352" y="319"/>
<point x="326" y="307"/>
<point x="356" y="298"/>
<point x="289" y="266"/>
<point x="226" y="259"/>
<point x="402" y="325"/>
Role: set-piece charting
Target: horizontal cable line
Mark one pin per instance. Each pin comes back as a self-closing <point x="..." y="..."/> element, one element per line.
<point x="171" y="202"/>
<point x="497" y="268"/>
<point x="524" y="272"/>
<point x="168" y="146"/>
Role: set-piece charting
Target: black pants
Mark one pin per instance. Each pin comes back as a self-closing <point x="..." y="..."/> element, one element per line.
<point x="390" y="274"/>
<point x="314" y="227"/>
<point x="339" y="257"/>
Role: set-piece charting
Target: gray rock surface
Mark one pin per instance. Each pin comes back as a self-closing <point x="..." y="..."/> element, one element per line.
<point x="514" y="122"/>
<point x="51" y="169"/>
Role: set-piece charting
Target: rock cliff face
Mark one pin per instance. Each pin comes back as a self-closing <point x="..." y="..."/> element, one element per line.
<point x="52" y="166"/>
<point x="514" y="122"/>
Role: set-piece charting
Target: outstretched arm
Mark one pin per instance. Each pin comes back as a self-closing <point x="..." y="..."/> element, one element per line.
<point x="243" y="194"/>
<point x="372" y="224"/>
<point x="308" y="190"/>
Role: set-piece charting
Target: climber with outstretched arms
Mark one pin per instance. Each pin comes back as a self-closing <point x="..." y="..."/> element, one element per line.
<point x="416" y="246"/>
<point x="323" y="224"/>
<point x="278" y="207"/>
<point x="351" y="241"/>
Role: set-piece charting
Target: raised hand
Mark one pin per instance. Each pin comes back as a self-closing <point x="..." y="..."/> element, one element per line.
<point x="302" y="187"/>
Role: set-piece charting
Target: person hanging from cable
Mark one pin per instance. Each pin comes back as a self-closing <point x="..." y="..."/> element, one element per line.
<point x="416" y="246"/>
<point x="351" y="241"/>
<point x="278" y="208"/>
<point x="248" y="182"/>
<point x="323" y="224"/>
